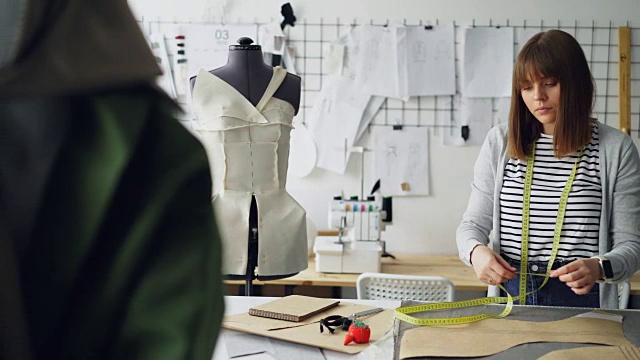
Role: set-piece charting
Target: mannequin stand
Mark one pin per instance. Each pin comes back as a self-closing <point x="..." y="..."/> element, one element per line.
<point x="384" y="251"/>
<point x="252" y="262"/>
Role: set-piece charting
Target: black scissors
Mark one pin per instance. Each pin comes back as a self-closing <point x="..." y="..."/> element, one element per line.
<point x="334" y="321"/>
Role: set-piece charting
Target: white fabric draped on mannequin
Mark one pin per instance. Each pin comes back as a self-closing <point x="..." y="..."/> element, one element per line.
<point x="248" y="149"/>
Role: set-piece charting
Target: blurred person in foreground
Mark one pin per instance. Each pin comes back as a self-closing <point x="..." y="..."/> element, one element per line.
<point x="108" y="246"/>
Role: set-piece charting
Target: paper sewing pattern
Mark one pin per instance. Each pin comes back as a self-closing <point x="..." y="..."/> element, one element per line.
<point x="481" y="339"/>
<point x="351" y="54"/>
<point x="332" y="132"/>
<point x="487" y="62"/>
<point x="400" y="61"/>
<point x="373" y="106"/>
<point x="380" y="68"/>
<point x="430" y="60"/>
<point x="341" y="112"/>
<point x="333" y="54"/>
<point x="401" y="160"/>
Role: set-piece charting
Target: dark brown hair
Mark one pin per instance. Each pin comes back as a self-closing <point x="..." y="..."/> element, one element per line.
<point x="556" y="54"/>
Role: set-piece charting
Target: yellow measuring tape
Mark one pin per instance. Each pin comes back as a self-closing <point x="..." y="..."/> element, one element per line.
<point x="402" y="312"/>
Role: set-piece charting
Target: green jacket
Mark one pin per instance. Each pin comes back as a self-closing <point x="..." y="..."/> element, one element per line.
<point x="124" y="261"/>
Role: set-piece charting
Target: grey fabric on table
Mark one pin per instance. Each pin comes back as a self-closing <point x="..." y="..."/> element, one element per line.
<point x="630" y="322"/>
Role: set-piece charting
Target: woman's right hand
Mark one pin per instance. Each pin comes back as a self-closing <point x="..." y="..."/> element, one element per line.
<point x="490" y="267"/>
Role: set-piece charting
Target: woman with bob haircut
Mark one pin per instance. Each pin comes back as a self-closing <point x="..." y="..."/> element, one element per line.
<point x="555" y="194"/>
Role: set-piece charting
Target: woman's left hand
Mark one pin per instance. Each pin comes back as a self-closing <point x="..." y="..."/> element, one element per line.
<point x="579" y="275"/>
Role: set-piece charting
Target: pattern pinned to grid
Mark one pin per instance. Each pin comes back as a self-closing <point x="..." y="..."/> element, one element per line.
<point x="599" y="41"/>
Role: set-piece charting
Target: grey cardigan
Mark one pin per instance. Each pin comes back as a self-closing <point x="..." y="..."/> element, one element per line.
<point x="619" y="219"/>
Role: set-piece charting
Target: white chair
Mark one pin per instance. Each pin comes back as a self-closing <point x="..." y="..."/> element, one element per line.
<point x="624" y="290"/>
<point x="377" y="286"/>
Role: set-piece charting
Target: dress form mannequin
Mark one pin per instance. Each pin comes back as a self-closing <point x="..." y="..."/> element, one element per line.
<point x="247" y="73"/>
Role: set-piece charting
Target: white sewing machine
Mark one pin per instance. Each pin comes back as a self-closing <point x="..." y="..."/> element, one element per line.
<point x="358" y="247"/>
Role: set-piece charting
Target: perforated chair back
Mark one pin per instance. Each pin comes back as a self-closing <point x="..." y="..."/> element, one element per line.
<point x="624" y="290"/>
<point x="377" y="286"/>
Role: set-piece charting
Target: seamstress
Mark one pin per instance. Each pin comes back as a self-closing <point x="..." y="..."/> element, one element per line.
<point x="550" y="123"/>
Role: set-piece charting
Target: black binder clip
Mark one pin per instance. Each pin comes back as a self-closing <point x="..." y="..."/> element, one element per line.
<point x="464" y="132"/>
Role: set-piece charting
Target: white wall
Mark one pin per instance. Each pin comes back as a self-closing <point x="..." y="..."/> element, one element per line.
<point x="421" y="224"/>
<point x="444" y="10"/>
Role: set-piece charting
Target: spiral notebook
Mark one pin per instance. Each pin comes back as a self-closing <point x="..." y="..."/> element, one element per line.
<point x="294" y="308"/>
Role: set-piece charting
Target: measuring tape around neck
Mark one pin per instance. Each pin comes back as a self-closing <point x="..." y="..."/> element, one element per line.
<point x="402" y="312"/>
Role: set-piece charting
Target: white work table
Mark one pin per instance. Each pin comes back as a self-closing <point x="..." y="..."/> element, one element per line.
<point x="384" y="350"/>
<point x="240" y="304"/>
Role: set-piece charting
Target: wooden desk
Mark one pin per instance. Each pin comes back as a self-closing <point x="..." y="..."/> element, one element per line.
<point x="449" y="266"/>
<point x="635" y="284"/>
<point x="463" y="277"/>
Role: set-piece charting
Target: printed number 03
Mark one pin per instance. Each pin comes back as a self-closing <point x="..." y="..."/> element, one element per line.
<point x="222" y="35"/>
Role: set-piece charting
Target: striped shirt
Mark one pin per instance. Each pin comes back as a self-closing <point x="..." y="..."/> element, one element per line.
<point x="579" y="235"/>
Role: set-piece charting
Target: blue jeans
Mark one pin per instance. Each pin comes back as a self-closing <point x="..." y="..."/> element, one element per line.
<point x="554" y="292"/>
